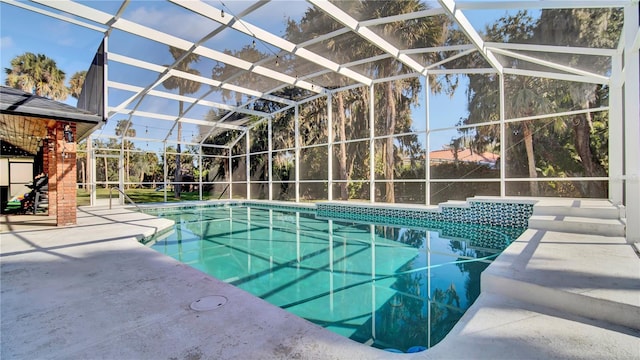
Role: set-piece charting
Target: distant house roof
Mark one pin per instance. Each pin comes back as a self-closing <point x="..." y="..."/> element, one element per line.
<point x="23" y="118"/>
<point x="465" y="155"/>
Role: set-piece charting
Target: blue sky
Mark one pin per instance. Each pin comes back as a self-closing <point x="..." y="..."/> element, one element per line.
<point x="73" y="47"/>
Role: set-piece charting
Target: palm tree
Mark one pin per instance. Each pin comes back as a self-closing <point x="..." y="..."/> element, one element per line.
<point x="399" y="95"/>
<point x="184" y="87"/>
<point x="37" y="73"/>
<point x="76" y="82"/>
<point x="147" y="164"/>
<point x="316" y="22"/>
<point x="526" y="101"/>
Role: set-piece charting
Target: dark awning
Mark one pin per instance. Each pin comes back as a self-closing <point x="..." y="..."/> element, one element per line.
<point x="24" y="118"/>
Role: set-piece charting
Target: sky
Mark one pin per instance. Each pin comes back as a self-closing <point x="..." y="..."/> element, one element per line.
<point x="73" y="48"/>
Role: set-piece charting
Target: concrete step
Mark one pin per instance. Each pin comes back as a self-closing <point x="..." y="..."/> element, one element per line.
<point x="581" y="304"/>
<point x="578" y="225"/>
<point x="594" y="276"/>
<point x="601" y="212"/>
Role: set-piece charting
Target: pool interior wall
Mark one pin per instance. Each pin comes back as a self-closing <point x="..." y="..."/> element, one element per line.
<point x="508" y="214"/>
<point x="511" y="215"/>
<point x="478" y="234"/>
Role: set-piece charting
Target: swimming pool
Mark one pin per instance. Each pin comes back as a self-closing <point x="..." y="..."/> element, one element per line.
<point x="388" y="286"/>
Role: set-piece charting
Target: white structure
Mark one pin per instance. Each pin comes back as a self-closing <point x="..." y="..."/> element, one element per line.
<point x="258" y="63"/>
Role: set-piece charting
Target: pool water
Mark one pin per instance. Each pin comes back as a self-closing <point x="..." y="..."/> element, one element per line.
<point x="385" y="286"/>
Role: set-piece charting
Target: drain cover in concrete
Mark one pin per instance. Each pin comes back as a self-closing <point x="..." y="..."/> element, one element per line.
<point x="208" y="303"/>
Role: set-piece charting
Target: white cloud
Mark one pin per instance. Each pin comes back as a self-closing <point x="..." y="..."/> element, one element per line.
<point x="187" y="26"/>
<point x="6" y="42"/>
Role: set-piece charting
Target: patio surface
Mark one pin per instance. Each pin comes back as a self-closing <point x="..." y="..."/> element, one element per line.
<point x="92" y="291"/>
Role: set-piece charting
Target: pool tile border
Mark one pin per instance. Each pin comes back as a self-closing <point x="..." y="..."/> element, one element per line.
<point x="482" y="212"/>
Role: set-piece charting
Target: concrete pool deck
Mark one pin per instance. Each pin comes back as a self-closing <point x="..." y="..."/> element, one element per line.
<point x="92" y="291"/>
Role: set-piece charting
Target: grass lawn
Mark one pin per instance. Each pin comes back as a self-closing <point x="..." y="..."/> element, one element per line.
<point x="142" y="196"/>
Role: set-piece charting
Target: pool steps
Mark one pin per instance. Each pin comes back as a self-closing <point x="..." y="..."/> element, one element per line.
<point x="558" y="263"/>
<point x="578" y="225"/>
<point x="579" y="216"/>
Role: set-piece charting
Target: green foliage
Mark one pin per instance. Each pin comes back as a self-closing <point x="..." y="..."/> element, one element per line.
<point x="393" y="100"/>
<point x="141" y="196"/>
<point x="76" y="82"/>
<point x="39" y="73"/>
<point x="559" y="147"/>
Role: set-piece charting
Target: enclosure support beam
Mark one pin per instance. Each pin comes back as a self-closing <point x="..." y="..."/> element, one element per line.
<point x="270" y="152"/>
<point x="329" y="148"/>
<point x="200" y="172"/>
<point x="503" y="138"/>
<point x="247" y="164"/>
<point x="296" y="122"/>
<point x="372" y="145"/>
<point x="91" y="171"/>
<point x="427" y="165"/>
<point x="164" y="168"/>
<point x="122" y="167"/>
<point x="632" y="125"/>
<point x="616" y="132"/>
<point x="450" y="7"/>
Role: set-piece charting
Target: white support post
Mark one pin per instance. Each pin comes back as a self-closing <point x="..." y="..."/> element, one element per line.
<point x="374" y="305"/>
<point x="200" y="172"/>
<point x="91" y="171"/>
<point x="631" y="122"/>
<point x="330" y="147"/>
<point x="372" y="145"/>
<point x="164" y="166"/>
<point x="247" y="164"/>
<point x="503" y="140"/>
<point x="270" y="152"/>
<point x="230" y="176"/>
<point x="427" y="165"/>
<point x="297" y="151"/>
<point x="616" y="132"/>
<point x="121" y="169"/>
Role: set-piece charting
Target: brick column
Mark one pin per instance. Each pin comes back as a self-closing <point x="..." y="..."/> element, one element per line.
<point x="62" y="174"/>
<point x="48" y="166"/>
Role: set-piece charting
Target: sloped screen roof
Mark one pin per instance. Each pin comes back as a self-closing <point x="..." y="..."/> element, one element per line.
<point x="220" y="64"/>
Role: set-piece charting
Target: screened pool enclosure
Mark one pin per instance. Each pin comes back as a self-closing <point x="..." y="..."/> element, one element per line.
<point x="414" y="102"/>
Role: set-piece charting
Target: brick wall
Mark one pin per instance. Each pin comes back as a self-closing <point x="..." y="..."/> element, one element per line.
<point x="61" y="162"/>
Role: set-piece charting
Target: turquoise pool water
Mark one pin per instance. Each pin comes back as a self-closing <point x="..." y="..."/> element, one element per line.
<point x="384" y="286"/>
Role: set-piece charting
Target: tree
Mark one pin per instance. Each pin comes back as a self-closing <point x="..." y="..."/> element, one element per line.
<point x="184" y="86"/>
<point x="37" y="73"/>
<point x="148" y="165"/>
<point x="526" y="100"/>
<point x="350" y="107"/>
<point x="599" y="28"/>
<point x="525" y="97"/>
<point x="573" y="150"/>
<point x="76" y="82"/>
<point x="315" y="22"/>
<point x="395" y="101"/>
